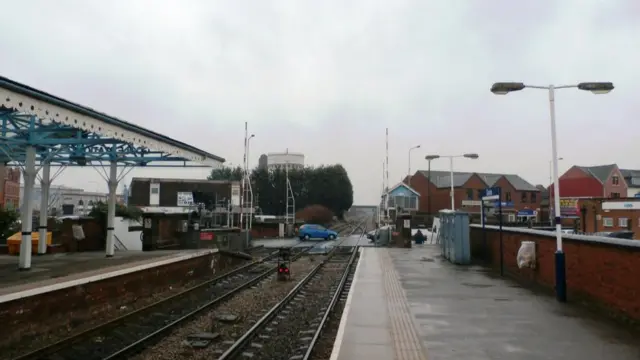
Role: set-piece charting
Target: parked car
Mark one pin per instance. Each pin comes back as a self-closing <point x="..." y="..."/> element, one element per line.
<point x="312" y="231"/>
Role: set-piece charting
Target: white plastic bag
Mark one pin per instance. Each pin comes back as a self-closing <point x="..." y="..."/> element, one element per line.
<point x="527" y="255"/>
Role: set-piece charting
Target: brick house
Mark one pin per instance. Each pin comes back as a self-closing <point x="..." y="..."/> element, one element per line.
<point x="518" y="194"/>
<point x="603" y="181"/>
<point x="587" y="182"/>
<point x="610" y="215"/>
<point x="10" y="187"/>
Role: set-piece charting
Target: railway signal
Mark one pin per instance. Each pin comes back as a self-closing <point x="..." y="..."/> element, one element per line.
<point x="284" y="261"/>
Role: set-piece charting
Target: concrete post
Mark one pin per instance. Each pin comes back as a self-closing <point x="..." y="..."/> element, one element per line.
<point x="45" y="184"/>
<point x="111" y="207"/>
<point x="24" y="263"/>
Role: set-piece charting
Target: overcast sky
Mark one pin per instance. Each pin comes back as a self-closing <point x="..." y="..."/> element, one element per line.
<point x="326" y="78"/>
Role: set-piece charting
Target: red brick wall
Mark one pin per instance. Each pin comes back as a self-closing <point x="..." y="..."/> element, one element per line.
<point x="65" y="307"/>
<point x="575" y="183"/>
<point x="594" y="216"/>
<point x="609" y="187"/>
<point x="442" y="198"/>
<point x="516" y="196"/>
<point x="607" y="275"/>
<point x="11" y="188"/>
<point x="420" y="184"/>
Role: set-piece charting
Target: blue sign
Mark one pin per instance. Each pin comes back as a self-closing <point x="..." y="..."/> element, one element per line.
<point x="505" y="204"/>
<point x="637" y="195"/>
<point x="491" y="194"/>
<point x="527" y="212"/>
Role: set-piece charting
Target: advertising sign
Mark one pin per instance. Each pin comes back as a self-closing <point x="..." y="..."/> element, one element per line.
<point x="235" y="195"/>
<point x="185" y="199"/>
<point x="569" y="208"/>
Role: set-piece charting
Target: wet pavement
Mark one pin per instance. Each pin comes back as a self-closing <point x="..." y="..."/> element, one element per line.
<point x="462" y="312"/>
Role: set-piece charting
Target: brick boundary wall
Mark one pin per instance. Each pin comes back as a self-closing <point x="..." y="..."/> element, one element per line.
<point x="600" y="271"/>
<point x="69" y="307"/>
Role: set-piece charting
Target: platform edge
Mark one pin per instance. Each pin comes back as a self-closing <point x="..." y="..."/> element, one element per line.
<point x="67" y="284"/>
<point x="337" y="344"/>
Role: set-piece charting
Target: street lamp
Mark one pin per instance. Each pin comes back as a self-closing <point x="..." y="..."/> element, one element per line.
<point x="550" y="181"/>
<point x="451" y="157"/>
<point x="409" y="171"/>
<point x="247" y="151"/>
<point x="503" y="88"/>
<point x="429" y="158"/>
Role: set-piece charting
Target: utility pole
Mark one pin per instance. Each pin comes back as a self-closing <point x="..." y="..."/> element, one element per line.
<point x="386" y="190"/>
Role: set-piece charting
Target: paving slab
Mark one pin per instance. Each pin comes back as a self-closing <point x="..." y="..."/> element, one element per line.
<point x="465" y="312"/>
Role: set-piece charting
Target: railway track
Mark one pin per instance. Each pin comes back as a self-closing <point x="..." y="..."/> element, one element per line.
<point x="127" y="335"/>
<point x="291" y="329"/>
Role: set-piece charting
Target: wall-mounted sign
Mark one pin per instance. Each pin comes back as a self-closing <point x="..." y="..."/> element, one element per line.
<point x="235" y="195"/>
<point x="621" y="205"/>
<point x="471" y="202"/>
<point x="527" y="213"/>
<point x="185" y="199"/>
<point x="569" y="208"/>
<point x="504" y="204"/>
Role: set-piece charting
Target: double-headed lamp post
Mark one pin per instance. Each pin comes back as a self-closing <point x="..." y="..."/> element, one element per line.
<point x="503" y="88"/>
<point x="409" y="170"/>
<point x="451" y="157"/>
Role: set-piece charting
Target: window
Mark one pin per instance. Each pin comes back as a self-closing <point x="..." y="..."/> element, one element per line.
<point x="469" y="194"/>
<point x="413" y="202"/>
<point x="80" y="202"/>
<point x="607" y="222"/>
<point x="534" y="197"/>
<point x="615" y="180"/>
<point x="155" y="190"/>
<point x="507" y="196"/>
<point x="623" y="222"/>
<point x="615" y="195"/>
<point x="479" y="194"/>
<point x="523" y="197"/>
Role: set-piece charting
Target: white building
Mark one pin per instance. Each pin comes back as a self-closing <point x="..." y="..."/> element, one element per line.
<point x="60" y="195"/>
<point x="293" y="160"/>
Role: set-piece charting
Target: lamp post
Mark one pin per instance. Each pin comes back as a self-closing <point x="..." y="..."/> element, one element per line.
<point x="451" y="157"/>
<point x="503" y="88"/>
<point x="409" y="171"/>
<point x="429" y="158"/>
<point x="550" y="182"/>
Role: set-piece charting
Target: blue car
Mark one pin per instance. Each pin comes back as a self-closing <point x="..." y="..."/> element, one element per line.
<point x="309" y="231"/>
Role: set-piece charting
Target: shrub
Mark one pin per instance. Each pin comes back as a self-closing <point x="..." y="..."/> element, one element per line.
<point x="9" y="224"/>
<point x="315" y="214"/>
<point x="99" y="211"/>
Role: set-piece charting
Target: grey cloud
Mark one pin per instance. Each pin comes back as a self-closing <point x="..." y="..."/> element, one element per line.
<point x="327" y="77"/>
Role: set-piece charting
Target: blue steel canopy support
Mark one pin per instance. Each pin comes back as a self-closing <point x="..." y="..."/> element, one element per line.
<point x="60" y="144"/>
<point x="39" y="130"/>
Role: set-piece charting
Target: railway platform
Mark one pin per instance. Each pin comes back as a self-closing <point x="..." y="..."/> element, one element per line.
<point x="410" y="304"/>
<point x="58" y="271"/>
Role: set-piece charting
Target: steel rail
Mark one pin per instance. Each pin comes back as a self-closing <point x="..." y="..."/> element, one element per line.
<point x="334" y="301"/>
<point x="235" y="349"/>
<point x="114" y="323"/>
